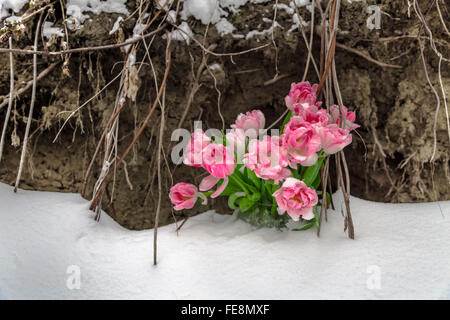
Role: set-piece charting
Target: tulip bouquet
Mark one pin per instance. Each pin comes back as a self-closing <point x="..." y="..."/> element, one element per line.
<point x="266" y="176"/>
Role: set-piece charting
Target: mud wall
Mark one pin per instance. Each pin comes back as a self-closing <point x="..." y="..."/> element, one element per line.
<point x="389" y="159"/>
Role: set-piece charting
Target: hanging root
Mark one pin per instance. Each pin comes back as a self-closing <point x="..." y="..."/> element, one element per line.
<point x="329" y="83"/>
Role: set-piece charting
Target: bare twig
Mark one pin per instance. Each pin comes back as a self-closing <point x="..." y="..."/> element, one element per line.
<point x="30" y="83"/>
<point x="311" y="36"/>
<point x="367" y="57"/>
<point x="444" y="97"/>
<point x="158" y="155"/>
<point x="84" y="49"/>
<point x="138" y="134"/>
<point x="438" y="101"/>
<point x="442" y="19"/>
<point x="30" y="114"/>
<point x="195" y="86"/>
<point x="11" y="95"/>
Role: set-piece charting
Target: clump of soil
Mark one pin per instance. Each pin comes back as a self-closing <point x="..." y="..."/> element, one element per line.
<point x="388" y="161"/>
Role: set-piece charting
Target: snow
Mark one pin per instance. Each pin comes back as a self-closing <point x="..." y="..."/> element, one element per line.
<point x="184" y="33"/>
<point x="207" y="11"/>
<point x="224" y="27"/>
<point x="253" y="33"/>
<point x="400" y="251"/>
<point x="116" y="25"/>
<point x="7" y="5"/>
<point x="215" y="12"/>
<point x="75" y="9"/>
<point x="49" y="30"/>
<point x="163" y="4"/>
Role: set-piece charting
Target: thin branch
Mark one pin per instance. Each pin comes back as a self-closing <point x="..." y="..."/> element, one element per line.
<point x="84" y="49"/>
<point x="138" y="134"/>
<point x="367" y="57"/>
<point x="30" y="114"/>
<point x="11" y="95"/>
<point x="444" y="97"/>
<point x="30" y="83"/>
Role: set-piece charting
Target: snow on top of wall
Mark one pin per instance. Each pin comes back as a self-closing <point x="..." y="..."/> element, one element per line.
<point x="207" y="11"/>
<point x="253" y="33"/>
<point x="211" y="11"/>
<point x="7" y="5"/>
<point x="183" y="33"/>
<point x="216" y="11"/>
<point x="76" y="8"/>
<point x="49" y="30"/>
<point x="224" y="27"/>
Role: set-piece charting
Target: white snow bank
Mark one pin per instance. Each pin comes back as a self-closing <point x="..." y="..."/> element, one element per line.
<point x="7" y="5"/>
<point x="43" y="235"/>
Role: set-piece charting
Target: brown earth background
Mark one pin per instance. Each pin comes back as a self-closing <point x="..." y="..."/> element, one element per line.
<point x="395" y="106"/>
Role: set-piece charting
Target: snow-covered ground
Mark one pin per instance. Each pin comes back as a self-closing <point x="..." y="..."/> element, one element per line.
<point x="401" y="251"/>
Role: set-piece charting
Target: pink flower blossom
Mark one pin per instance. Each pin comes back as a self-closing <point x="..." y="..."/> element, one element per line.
<point x="350" y="117"/>
<point x="252" y="120"/>
<point x="296" y="198"/>
<point x="219" y="161"/>
<point x="301" y="93"/>
<point x="313" y="115"/>
<point x="334" y="139"/>
<point x="194" y="151"/>
<point x="236" y="141"/>
<point x="184" y="195"/>
<point x="268" y="158"/>
<point x="302" y="141"/>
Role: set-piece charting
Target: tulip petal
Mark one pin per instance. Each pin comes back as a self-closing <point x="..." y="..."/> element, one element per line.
<point x="208" y="183"/>
<point x="308" y="214"/>
<point x="221" y="188"/>
<point x="203" y="197"/>
<point x="188" y="204"/>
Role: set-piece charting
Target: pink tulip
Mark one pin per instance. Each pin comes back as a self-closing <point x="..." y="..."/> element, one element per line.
<point x="268" y="158"/>
<point x="219" y="161"/>
<point x="296" y="198"/>
<point x="252" y="120"/>
<point x="236" y="141"/>
<point x="184" y="195"/>
<point x="302" y="141"/>
<point x="334" y="139"/>
<point x="350" y="117"/>
<point x="302" y="93"/>
<point x="313" y="115"/>
<point x="194" y="151"/>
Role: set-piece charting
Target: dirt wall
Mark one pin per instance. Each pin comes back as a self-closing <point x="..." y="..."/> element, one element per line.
<point x="389" y="159"/>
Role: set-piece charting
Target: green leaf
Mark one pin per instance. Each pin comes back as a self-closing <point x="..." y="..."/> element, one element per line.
<point x="306" y="226"/>
<point x="285" y="121"/>
<point x="328" y="198"/>
<point x="245" y="204"/>
<point x="230" y="189"/>
<point x="255" y="197"/>
<point x="295" y="174"/>
<point x="312" y="172"/>
<point x="233" y="197"/>
<point x="252" y="177"/>
<point x="316" y="182"/>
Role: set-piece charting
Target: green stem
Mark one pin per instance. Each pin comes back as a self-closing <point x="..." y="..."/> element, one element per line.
<point x="240" y="183"/>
